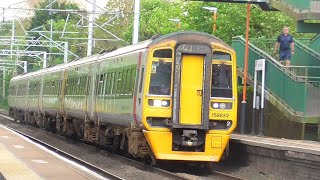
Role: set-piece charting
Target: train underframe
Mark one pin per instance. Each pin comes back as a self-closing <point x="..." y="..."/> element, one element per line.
<point x="111" y="137"/>
<point x="191" y="145"/>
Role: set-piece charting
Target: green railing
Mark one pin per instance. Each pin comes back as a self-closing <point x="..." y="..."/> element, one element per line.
<point x="291" y="85"/>
<point x="315" y="43"/>
<point x="299" y="4"/>
<point x="304" y="56"/>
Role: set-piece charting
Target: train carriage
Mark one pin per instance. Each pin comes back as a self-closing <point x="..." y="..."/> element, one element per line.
<point x="173" y="97"/>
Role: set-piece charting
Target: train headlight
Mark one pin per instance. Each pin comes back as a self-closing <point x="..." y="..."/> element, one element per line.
<point x="221" y="105"/>
<point x="159" y="103"/>
<point x="164" y="103"/>
<point x="215" y="105"/>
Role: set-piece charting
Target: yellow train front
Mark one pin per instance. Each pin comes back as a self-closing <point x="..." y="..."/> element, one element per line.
<point x="189" y="104"/>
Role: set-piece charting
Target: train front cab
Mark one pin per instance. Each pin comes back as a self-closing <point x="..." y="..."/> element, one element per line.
<point x="191" y="101"/>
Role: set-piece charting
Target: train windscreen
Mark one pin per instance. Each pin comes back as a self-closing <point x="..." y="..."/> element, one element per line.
<point x="160" y="82"/>
<point x="221" y="81"/>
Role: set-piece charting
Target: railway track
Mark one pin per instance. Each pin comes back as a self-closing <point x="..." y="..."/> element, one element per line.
<point x="100" y="168"/>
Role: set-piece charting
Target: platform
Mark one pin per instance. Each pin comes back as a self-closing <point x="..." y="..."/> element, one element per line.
<point x="20" y="158"/>
<point x="303" y="146"/>
<point x="283" y="158"/>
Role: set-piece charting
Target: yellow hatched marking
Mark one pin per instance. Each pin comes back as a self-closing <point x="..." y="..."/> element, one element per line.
<point x="191" y="89"/>
<point x="12" y="168"/>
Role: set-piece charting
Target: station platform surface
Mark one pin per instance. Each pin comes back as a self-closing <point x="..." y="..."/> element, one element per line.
<point x="303" y="146"/>
<point x="20" y="158"/>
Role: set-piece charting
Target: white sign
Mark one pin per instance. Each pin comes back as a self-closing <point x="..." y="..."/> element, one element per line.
<point x="260" y="64"/>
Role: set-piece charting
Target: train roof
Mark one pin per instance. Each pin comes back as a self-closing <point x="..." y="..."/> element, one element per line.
<point x="195" y="37"/>
<point x="180" y="37"/>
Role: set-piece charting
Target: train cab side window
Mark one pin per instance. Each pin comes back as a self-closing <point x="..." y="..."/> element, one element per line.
<point x="221" y="81"/>
<point x="218" y="55"/>
<point x="163" y="53"/>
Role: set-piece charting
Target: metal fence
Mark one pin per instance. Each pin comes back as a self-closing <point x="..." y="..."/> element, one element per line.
<point x="304" y="56"/>
<point x="296" y="88"/>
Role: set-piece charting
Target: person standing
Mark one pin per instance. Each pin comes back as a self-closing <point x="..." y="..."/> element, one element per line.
<point x="286" y="46"/>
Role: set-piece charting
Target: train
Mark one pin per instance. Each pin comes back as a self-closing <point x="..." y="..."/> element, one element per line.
<point x="172" y="97"/>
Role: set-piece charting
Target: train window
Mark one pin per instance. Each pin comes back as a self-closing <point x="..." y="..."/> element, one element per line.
<point x="160" y="81"/>
<point x="221" y="81"/>
<point x="106" y="92"/>
<point x="119" y="82"/>
<point x="141" y="80"/>
<point x="112" y="85"/>
<point x="218" y="55"/>
<point x="59" y="87"/>
<point x="104" y="84"/>
<point x="124" y="81"/>
<point x="127" y="82"/>
<point x="71" y="86"/>
<point x="75" y="88"/>
<point x="82" y="85"/>
<point x="89" y="86"/>
<point x="100" y="84"/>
<point x="163" y="53"/>
<point x="133" y="79"/>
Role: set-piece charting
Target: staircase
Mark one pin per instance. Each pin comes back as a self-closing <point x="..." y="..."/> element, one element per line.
<point x="295" y="91"/>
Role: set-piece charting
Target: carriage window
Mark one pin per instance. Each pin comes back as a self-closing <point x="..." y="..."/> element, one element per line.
<point x="221" y="81"/>
<point x="218" y="55"/>
<point x="141" y="80"/>
<point x="112" y="87"/>
<point x="160" y="83"/>
<point x="163" y="53"/>
<point x="119" y="82"/>
<point x="133" y="79"/>
<point x="124" y="81"/>
<point x="100" y="84"/>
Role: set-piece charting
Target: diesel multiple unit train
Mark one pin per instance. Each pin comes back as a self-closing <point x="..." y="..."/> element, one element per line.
<point x="172" y="97"/>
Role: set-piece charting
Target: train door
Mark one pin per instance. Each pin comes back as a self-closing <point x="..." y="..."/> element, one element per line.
<point x="91" y="86"/>
<point x="138" y="96"/>
<point x="191" y="90"/>
<point x="89" y="92"/>
<point x="62" y="90"/>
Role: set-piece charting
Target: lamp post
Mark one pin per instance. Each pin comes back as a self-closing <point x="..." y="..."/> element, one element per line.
<point x="176" y="21"/>
<point x="136" y="22"/>
<point x="214" y="11"/>
<point x="245" y="72"/>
